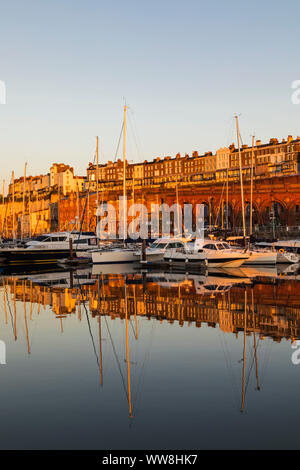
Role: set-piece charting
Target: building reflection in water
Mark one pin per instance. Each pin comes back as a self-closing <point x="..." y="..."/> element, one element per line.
<point x="272" y="305"/>
<point x="256" y="306"/>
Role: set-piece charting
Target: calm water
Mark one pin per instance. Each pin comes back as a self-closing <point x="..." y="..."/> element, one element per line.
<point x="151" y="361"/>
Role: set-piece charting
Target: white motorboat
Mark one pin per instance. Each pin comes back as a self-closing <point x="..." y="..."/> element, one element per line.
<point x="113" y="255"/>
<point x="284" y="257"/>
<point x="182" y="257"/>
<point x="156" y="251"/>
<point x="257" y="256"/>
<point x="87" y="254"/>
<point x="284" y="248"/>
<point x="261" y="257"/>
<point x="267" y="257"/>
<point x="220" y="254"/>
<point x="48" y="248"/>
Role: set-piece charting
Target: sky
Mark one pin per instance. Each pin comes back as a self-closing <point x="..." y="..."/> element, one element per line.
<point x="184" y="68"/>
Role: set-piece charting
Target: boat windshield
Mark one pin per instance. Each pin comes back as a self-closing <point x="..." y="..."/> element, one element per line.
<point x="41" y="238"/>
<point x="220" y="246"/>
<point x="210" y="246"/>
<point x="160" y="246"/>
<point x="226" y="246"/>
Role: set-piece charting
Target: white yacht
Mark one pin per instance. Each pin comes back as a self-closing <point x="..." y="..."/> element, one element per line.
<point x="265" y="254"/>
<point x="156" y="251"/>
<point x="220" y="254"/>
<point x="48" y="248"/>
<point x="114" y="254"/>
<point x="258" y="256"/>
<point x="261" y="257"/>
<point x="288" y="251"/>
<point x="179" y="251"/>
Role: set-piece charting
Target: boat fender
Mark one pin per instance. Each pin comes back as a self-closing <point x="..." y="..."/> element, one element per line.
<point x="281" y="251"/>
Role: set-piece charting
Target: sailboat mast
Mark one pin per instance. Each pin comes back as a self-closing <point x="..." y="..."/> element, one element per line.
<point x="3" y="209"/>
<point x="241" y="178"/>
<point x="251" y="189"/>
<point x="97" y="172"/>
<point x="23" y="207"/>
<point x="77" y="208"/>
<point x="13" y="205"/>
<point x="124" y="173"/>
<point x="177" y="206"/>
<point x="227" y="210"/>
<point x="29" y="206"/>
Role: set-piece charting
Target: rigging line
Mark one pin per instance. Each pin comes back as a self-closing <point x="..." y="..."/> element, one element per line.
<point x="137" y="394"/>
<point x="266" y="362"/>
<point x="89" y="325"/>
<point x="136" y="127"/>
<point x="219" y="208"/>
<point x="85" y="205"/>
<point x="241" y="139"/>
<point x="135" y="137"/>
<point x="5" y="216"/>
<point x="249" y="372"/>
<point x="250" y="369"/>
<point x="132" y="327"/>
<point x="8" y="303"/>
<point x="115" y="354"/>
<point x="84" y="210"/>
<point x="228" y="362"/>
<point x="6" y="210"/>
<point x="119" y="141"/>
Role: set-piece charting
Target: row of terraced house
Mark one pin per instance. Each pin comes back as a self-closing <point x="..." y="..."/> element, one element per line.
<point x="34" y="202"/>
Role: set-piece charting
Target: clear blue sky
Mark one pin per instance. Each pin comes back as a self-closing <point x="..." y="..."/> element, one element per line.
<point x="185" y="69"/>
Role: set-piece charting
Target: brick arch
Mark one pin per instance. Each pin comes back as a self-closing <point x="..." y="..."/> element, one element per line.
<point x="255" y="213"/>
<point x="281" y="202"/>
<point x="218" y="212"/>
<point x="280" y="211"/>
<point x="236" y="206"/>
<point x="294" y="213"/>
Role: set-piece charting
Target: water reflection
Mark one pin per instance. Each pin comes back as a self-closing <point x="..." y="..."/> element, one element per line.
<point x="270" y="305"/>
<point x="248" y="305"/>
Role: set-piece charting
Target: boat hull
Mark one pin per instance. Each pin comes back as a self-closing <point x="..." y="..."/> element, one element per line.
<point x="113" y="257"/>
<point x="27" y="257"/>
<point x="261" y="258"/>
<point x="225" y="263"/>
<point x="23" y="257"/>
